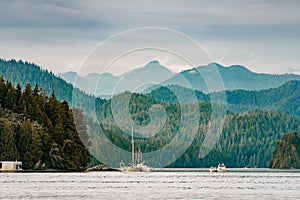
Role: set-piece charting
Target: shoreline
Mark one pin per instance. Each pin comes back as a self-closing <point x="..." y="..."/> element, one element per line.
<point x="161" y="170"/>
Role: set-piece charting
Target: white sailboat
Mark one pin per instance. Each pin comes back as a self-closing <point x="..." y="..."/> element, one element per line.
<point x="140" y="165"/>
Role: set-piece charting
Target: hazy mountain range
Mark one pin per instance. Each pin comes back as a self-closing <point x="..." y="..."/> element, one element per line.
<point x="284" y="98"/>
<point x="233" y="77"/>
<point x="105" y="84"/>
<point x="254" y="122"/>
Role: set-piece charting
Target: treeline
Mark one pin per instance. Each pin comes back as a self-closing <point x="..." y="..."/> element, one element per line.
<point x="19" y="72"/>
<point x="247" y="138"/>
<point x="287" y="152"/>
<point x="283" y="99"/>
<point x="40" y="130"/>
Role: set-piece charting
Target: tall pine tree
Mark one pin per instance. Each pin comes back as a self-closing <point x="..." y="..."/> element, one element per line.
<point x="8" y="149"/>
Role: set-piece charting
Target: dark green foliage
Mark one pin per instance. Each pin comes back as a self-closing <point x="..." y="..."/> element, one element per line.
<point x="8" y="149"/>
<point x="284" y="99"/>
<point x="40" y="130"/>
<point x="287" y="152"/>
<point x="255" y="121"/>
<point x="30" y="145"/>
<point x="168" y="94"/>
<point x="81" y="125"/>
<point x="247" y="138"/>
<point x="24" y="73"/>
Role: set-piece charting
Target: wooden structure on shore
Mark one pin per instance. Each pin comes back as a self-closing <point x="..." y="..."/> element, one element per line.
<point x="10" y="166"/>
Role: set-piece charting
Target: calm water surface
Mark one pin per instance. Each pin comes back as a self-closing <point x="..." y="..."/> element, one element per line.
<point x="172" y="184"/>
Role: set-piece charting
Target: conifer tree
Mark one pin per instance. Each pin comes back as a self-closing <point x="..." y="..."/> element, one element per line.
<point x="30" y="145"/>
<point x="8" y="149"/>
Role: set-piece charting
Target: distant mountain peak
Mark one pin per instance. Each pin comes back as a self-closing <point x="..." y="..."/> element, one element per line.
<point x="239" y="67"/>
<point x="216" y="64"/>
<point x="154" y="62"/>
<point x="154" y="66"/>
<point x="231" y="67"/>
<point x="233" y="76"/>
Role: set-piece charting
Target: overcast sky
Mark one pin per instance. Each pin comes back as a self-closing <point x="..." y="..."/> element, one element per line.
<point x="262" y="35"/>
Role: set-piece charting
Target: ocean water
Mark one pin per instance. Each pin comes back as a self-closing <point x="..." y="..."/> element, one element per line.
<point x="165" y="184"/>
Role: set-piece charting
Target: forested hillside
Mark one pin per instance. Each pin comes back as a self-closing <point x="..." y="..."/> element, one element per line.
<point x="287" y="152"/>
<point x="248" y="138"/>
<point x="255" y="121"/>
<point x="39" y="130"/>
<point x="19" y="72"/>
<point x="284" y="98"/>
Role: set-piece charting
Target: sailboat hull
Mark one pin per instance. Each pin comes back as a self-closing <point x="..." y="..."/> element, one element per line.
<point x="143" y="168"/>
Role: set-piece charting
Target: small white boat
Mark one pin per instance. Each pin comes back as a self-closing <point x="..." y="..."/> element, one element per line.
<point x="139" y="166"/>
<point x="220" y="168"/>
<point x="213" y="169"/>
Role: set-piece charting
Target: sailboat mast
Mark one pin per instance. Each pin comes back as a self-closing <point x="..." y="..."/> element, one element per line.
<point x="132" y="148"/>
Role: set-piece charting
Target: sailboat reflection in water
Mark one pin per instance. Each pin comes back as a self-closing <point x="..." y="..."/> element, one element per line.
<point x="140" y="165"/>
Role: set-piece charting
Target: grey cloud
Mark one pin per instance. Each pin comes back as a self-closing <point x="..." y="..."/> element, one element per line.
<point x="182" y="15"/>
<point x="293" y="70"/>
<point x="46" y="14"/>
<point x="253" y="24"/>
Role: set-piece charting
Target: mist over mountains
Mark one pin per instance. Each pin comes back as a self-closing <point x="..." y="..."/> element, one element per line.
<point x="283" y="98"/>
<point x="106" y="84"/>
<point x="154" y="74"/>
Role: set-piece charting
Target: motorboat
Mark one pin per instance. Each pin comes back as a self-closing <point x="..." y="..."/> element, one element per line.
<point x="213" y="169"/>
<point x="221" y="168"/>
